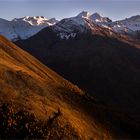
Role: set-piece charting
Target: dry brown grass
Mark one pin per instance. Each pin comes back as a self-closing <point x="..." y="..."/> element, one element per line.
<point x="57" y="108"/>
<point x="33" y="87"/>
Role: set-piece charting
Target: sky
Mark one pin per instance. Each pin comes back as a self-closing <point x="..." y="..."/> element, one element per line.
<point x="114" y="9"/>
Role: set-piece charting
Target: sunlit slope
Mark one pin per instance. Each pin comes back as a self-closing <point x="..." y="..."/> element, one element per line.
<point x="104" y="64"/>
<point x="28" y="85"/>
<point x="37" y="103"/>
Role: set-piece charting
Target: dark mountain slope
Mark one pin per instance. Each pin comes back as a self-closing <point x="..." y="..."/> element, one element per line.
<point x="37" y="103"/>
<point x="105" y="65"/>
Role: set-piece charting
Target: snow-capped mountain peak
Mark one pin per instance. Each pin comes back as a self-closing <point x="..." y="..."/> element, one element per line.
<point x="35" y="20"/>
<point x="70" y="27"/>
<point x="25" y="27"/>
<point x="129" y="25"/>
<point x="134" y="18"/>
<point x="97" y="18"/>
<point x="84" y="14"/>
<point x="31" y="18"/>
<point x="53" y="21"/>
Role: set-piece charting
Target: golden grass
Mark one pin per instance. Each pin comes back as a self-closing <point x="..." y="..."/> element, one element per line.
<point x="29" y="87"/>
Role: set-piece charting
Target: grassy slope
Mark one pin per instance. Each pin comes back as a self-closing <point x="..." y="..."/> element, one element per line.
<point x="105" y="64"/>
<point x="59" y="109"/>
<point x="29" y="85"/>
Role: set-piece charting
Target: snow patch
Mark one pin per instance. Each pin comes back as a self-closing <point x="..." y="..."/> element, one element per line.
<point x="23" y="28"/>
<point x="66" y="35"/>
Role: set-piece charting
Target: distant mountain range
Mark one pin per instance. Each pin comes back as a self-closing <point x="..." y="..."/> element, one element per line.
<point x="100" y="56"/>
<point x="102" y="62"/>
<point x="23" y="28"/>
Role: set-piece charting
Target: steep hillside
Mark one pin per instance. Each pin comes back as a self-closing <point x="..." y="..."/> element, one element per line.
<point x="105" y="65"/>
<point x="37" y="103"/>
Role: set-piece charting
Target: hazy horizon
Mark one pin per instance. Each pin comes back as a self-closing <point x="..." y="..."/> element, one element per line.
<point x="114" y="9"/>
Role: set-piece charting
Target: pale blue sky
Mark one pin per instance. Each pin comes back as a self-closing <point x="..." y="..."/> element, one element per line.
<point x="115" y="9"/>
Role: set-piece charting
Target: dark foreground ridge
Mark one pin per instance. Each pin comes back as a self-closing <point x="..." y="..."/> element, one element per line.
<point x="35" y="103"/>
<point x="105" y="66"/>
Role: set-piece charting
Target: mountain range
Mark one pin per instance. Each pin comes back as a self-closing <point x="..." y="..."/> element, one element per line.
<point x="104" y="64"/>
<point x="37" y="103"/>
<point x="23" y="28"/>
<point x="98" y="57"/>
